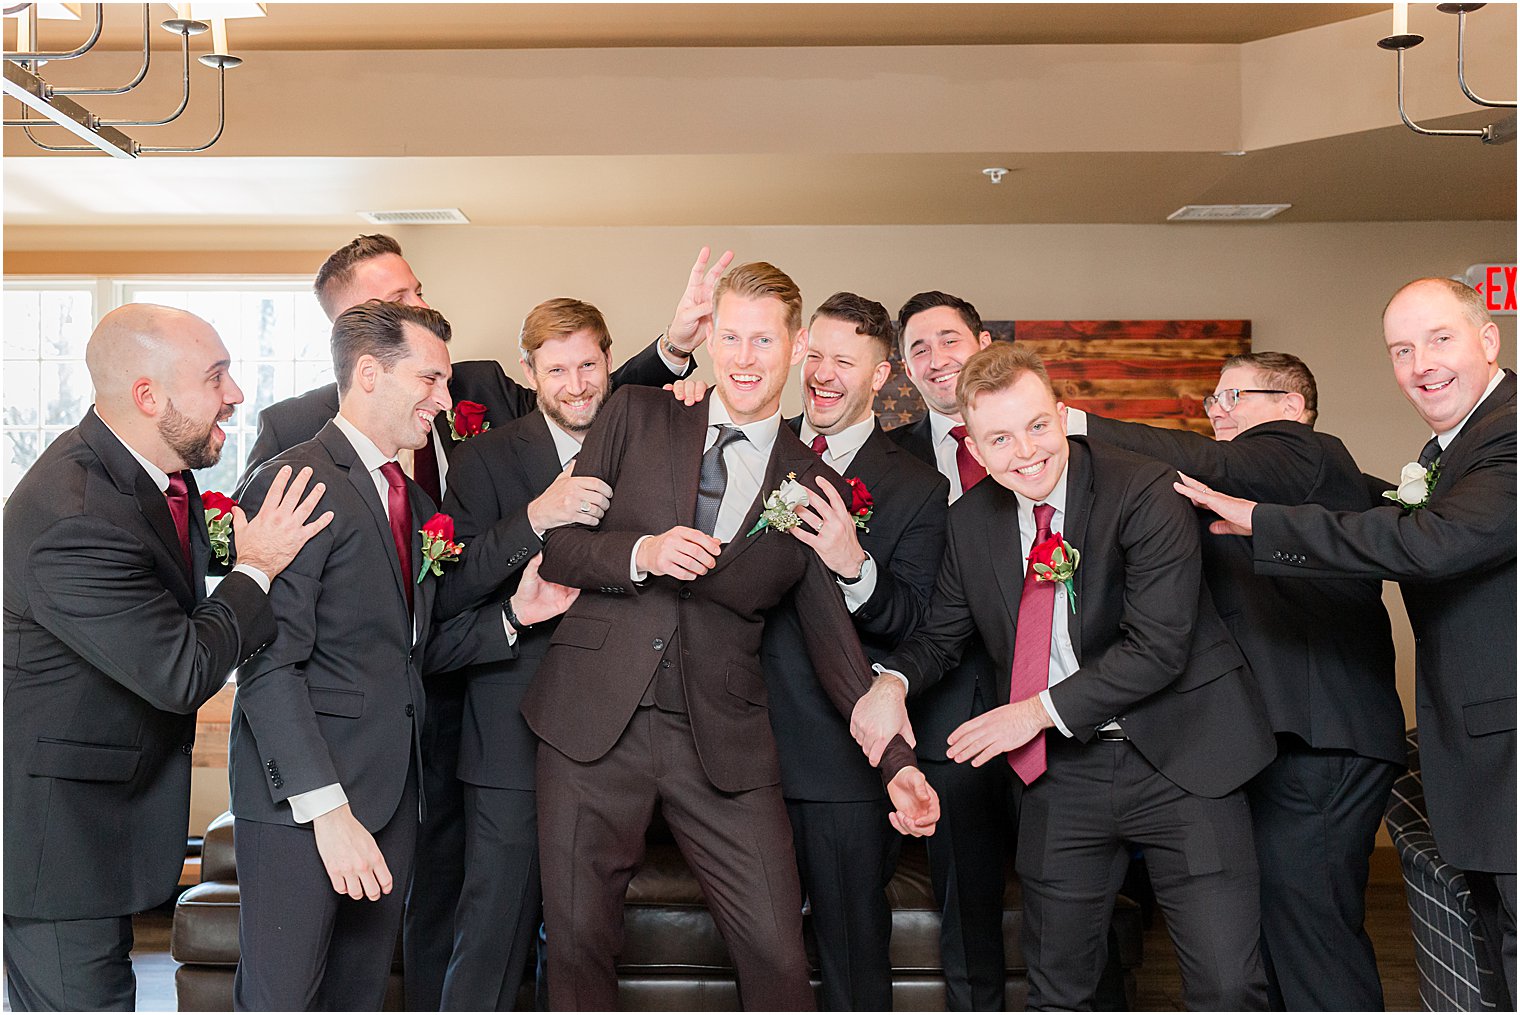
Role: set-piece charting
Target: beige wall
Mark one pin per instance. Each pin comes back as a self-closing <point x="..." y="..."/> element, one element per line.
<point x="1313" y="290"/>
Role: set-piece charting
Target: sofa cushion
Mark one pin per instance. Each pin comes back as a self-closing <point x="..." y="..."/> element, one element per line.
<point x="218" y="862"/>
<point x="206" y="924"/>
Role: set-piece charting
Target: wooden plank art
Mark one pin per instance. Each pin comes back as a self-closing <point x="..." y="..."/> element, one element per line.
<point x="1147" y="371"/>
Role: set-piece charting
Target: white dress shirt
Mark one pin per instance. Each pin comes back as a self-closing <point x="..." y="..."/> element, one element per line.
<point x="1451" y="435"/>
<point x="746" y="462"/>
<point x="1063" y="658"/>
<point x="841" y="451"/>
<point x="944" y="451"/>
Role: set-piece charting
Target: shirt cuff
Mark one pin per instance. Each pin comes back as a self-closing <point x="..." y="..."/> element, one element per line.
<point x="858" y="592"/>
<point x="258" y="576"/>
<point x="676" y="367"/>
<point x="307" y="807"/>
<point x="1076" y="422"/>
<point x="633" y="561"/>
<point x="1050" y="710"/>
<point x="877" y="668"/>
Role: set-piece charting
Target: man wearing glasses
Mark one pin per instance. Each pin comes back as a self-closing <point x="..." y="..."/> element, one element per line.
<point x="1323" y="653"/>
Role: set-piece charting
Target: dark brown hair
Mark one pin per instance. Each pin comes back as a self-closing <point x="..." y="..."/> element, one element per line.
<point x="869" y="317"/>
<point x="338" y="270"/>
<point x="378" y="329"/>
<point x="920" y="302"/>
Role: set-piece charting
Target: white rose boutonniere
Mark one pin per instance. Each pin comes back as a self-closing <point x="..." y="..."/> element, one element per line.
<point x="1415" y="484"/>
<point x="780" y="511"/>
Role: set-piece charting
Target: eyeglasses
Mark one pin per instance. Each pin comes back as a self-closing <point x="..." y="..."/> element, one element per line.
<point x="1230" y="397"/>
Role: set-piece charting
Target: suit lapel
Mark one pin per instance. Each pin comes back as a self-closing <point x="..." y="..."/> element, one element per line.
<point x="345" y="457"/>
<point x="788" y="455"/>
<point x="422" y="593"/>
<point x="1080" y="496"/>
<point x="131" y="479"/>
<point x="688" y="431"/>
<point x="536" y="452"/>
<point x="1009" y="563"/>
<point x="200" y="539"/>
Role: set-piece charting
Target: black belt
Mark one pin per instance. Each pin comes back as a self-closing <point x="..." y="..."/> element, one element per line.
<point x="1112" y="735"/>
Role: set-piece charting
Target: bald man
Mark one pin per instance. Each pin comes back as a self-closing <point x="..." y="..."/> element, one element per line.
<point x="111" y="646"/>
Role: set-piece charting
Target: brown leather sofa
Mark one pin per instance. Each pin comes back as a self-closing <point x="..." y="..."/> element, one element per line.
<point x="674" y="958"/>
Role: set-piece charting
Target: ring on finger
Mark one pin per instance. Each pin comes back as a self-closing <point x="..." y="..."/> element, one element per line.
<point x="585" y="507"/>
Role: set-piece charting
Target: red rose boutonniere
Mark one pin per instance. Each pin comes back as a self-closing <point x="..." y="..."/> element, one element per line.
<point x="467" y="419"/>
<point x="1055" y="560"/>
<point x="861" y="504"/>
<point x="438" y="546"/>
<point x="219" y="523"/>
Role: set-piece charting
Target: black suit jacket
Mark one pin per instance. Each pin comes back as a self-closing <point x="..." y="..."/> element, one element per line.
<point x="493" y="479"/>
<point x="906" y="538"/>
<point x="938" y="709"/>
<point x="109" y="650"/>
<point x="1322" y="651"/>
<point x="1151" y="651"/>
<point x="337" y="696"/>
<point x="1455" y="562"/>
<point x="293" y="420"/>
<point x="612" y="643"/>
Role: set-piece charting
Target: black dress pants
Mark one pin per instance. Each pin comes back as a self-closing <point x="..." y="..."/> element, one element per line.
<point x="1076" y="824"/>
<point x="70" y="965"/>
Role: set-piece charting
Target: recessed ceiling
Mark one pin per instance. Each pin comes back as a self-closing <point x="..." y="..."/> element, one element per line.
<point x="316" y="26"/>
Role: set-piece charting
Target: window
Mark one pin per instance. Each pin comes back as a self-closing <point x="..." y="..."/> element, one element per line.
<point x="273" y="327"/>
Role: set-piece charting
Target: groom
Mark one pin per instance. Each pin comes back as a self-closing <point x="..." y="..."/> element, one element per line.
<point x="652" y="691"/>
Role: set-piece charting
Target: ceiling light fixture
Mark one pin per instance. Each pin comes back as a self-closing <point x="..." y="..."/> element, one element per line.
<point x="1500" y="132"/>
<point x="995" y="173"/>
<point x="23" y="82"/>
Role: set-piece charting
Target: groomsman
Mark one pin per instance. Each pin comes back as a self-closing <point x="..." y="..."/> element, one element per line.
<point x="652" y="691"/>
<point x="511" y="486"/>
<point x="1130" y="715"/>
<point x="326" y="726"/>
<point x="1450" y="543"/>
<point x="1323" y="654"/>
<point x="937" y="333"/>
<point x="846" y="850"/>
<point x="111" y="646"/>
<point x="371" y="267"/>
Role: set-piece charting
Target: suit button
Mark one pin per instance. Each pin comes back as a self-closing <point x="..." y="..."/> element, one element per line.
<point x="1277" y="555"/>
<point x="665" y="664"/>
<point x="657" y="644"/>
<point x="411" y="710"/>
<point x="686" y="593"/>
<point x="186" y="748"/>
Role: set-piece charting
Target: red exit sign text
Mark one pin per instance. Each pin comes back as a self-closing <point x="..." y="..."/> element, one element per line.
<point x="1496" y="284"/>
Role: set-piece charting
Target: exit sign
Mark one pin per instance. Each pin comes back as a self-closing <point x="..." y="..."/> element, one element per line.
<point x="1496" y="284"/>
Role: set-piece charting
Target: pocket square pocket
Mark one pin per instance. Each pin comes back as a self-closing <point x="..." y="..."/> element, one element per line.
<point x="581" y="632"/>
<point x="336" y="701"/>
<point x="1484" y="717"/>
<point x="72" y="759"/>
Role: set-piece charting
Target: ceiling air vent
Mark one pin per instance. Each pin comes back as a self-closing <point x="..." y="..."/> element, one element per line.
<point x="416" y="217"/>
<point x="1226" y="212"/>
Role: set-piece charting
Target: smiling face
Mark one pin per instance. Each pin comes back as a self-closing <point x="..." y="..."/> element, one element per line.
<point x="1442" y="359"/>
<point x="841" y="373"/>
<point x="411" y="392"/>
<point x="571" y="376"/>
<point x="1019" y="436"/>
<point x="1252" y="408"/>
<point x="199" y="396"/>
<point x="753" y="351"/>
<point x="936" y="344"/>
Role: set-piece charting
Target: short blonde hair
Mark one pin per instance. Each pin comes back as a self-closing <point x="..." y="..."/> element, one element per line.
<point x="998" y="368"/>
<point x="758" y="280"/>
<point x="559" y="318"/>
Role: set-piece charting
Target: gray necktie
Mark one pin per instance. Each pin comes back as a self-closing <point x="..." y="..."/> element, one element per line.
<point x="714" y="478"/>
<point x="1430" y="452"/>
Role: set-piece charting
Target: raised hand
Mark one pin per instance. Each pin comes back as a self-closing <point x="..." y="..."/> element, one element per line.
<point x="688" y="327"/>
<point x="277" y="533"/>
<point x="1234" y="513"/>
<point x="834" y="538"/>
<point x="570" y="500"/>
<point x="536" y="599"/>
<point x="354" y="863"/>
<point x="879" y="715"/>
<point x="997" y="731"/>
<point x="915" y="804"/>
<point x="679" y="552"/>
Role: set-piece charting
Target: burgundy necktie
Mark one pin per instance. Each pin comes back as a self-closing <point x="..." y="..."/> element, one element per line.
<point x="425" y="470"/>
<point x="179" y="508"/>
<point x="970" y="469"/>
<point x="1031" y="650"/>
<point x="399" y="506"/>
<point x="820" y="444"/>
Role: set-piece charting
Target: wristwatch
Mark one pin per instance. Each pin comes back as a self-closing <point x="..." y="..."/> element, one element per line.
<point x="858" y="574"/>
<point x="672" y="348"/>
